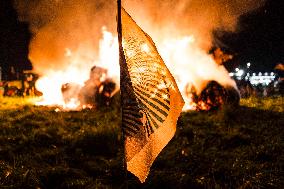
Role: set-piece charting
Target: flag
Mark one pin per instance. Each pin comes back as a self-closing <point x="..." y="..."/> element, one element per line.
<point x="151" y="101"/>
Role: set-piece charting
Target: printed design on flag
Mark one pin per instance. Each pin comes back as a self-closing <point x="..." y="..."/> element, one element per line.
<point x="150" y="86"/>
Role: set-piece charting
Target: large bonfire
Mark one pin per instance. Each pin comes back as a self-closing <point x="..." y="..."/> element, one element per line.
<point x="192" y="68"/>
<point x="69" y="40"/>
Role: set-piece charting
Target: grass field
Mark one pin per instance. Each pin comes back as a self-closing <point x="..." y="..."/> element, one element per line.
<point x="235" y="147"/>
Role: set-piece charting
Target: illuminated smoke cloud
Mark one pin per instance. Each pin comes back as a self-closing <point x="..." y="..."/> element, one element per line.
<point x="76" y="24"/>
<point x="60" y="24"/>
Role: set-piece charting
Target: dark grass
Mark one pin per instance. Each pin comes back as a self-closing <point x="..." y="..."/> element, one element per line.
<point x="235" y="147"/>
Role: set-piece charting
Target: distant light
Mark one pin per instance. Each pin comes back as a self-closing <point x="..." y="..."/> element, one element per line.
<point x="263" y="79"/>
<point x="248" y="64"/>
<point x="271" y="73"/>
<point x="231" y="74"/>
<point x="237" y="69"/>
<point x="248" y="74"/>
<point x="240" y="73"/>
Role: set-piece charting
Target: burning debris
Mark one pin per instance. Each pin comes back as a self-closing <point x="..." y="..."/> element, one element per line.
<point x="212" y="97"/>
<point x="97" y="91"/>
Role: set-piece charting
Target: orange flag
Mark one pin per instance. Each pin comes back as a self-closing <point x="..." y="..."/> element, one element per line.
<point x="151" y="101"/>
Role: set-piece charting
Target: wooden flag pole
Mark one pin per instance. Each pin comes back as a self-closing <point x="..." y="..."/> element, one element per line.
<point x="119" y="28"/>
<point x="121" y="55"/>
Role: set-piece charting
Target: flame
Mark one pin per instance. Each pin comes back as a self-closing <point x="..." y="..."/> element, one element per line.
<point x="189" y="64"/>
<point x="78" y="71"/>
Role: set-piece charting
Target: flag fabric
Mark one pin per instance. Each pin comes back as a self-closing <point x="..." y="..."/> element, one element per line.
<point x="151" y="101"/>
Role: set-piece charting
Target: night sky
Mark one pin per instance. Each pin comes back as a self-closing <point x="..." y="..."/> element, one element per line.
<point x="14" y="39"/>
<point x="259" y="38"/>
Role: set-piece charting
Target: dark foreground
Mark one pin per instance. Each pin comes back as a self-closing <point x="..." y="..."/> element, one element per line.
<point x="236" y="147"/>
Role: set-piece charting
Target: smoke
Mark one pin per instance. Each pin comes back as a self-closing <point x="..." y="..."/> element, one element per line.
<point x="76" y="24"/>
<point x="196" y="17"/>
<point x="62" y="28"/>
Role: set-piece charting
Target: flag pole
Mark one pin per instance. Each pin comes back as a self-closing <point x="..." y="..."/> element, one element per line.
<point x="121" y="55"/>
<point x="119" y="28"/>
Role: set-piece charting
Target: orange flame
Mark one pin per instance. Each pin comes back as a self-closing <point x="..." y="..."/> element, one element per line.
<point x="78" y="71"/>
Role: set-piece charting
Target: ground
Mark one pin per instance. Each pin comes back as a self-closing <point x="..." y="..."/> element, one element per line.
<point x="235" y="147"/>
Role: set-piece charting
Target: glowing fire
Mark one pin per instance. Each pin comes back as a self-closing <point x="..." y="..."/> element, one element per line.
<point x="78" y="71"/>
<point x="190" y="66"/>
